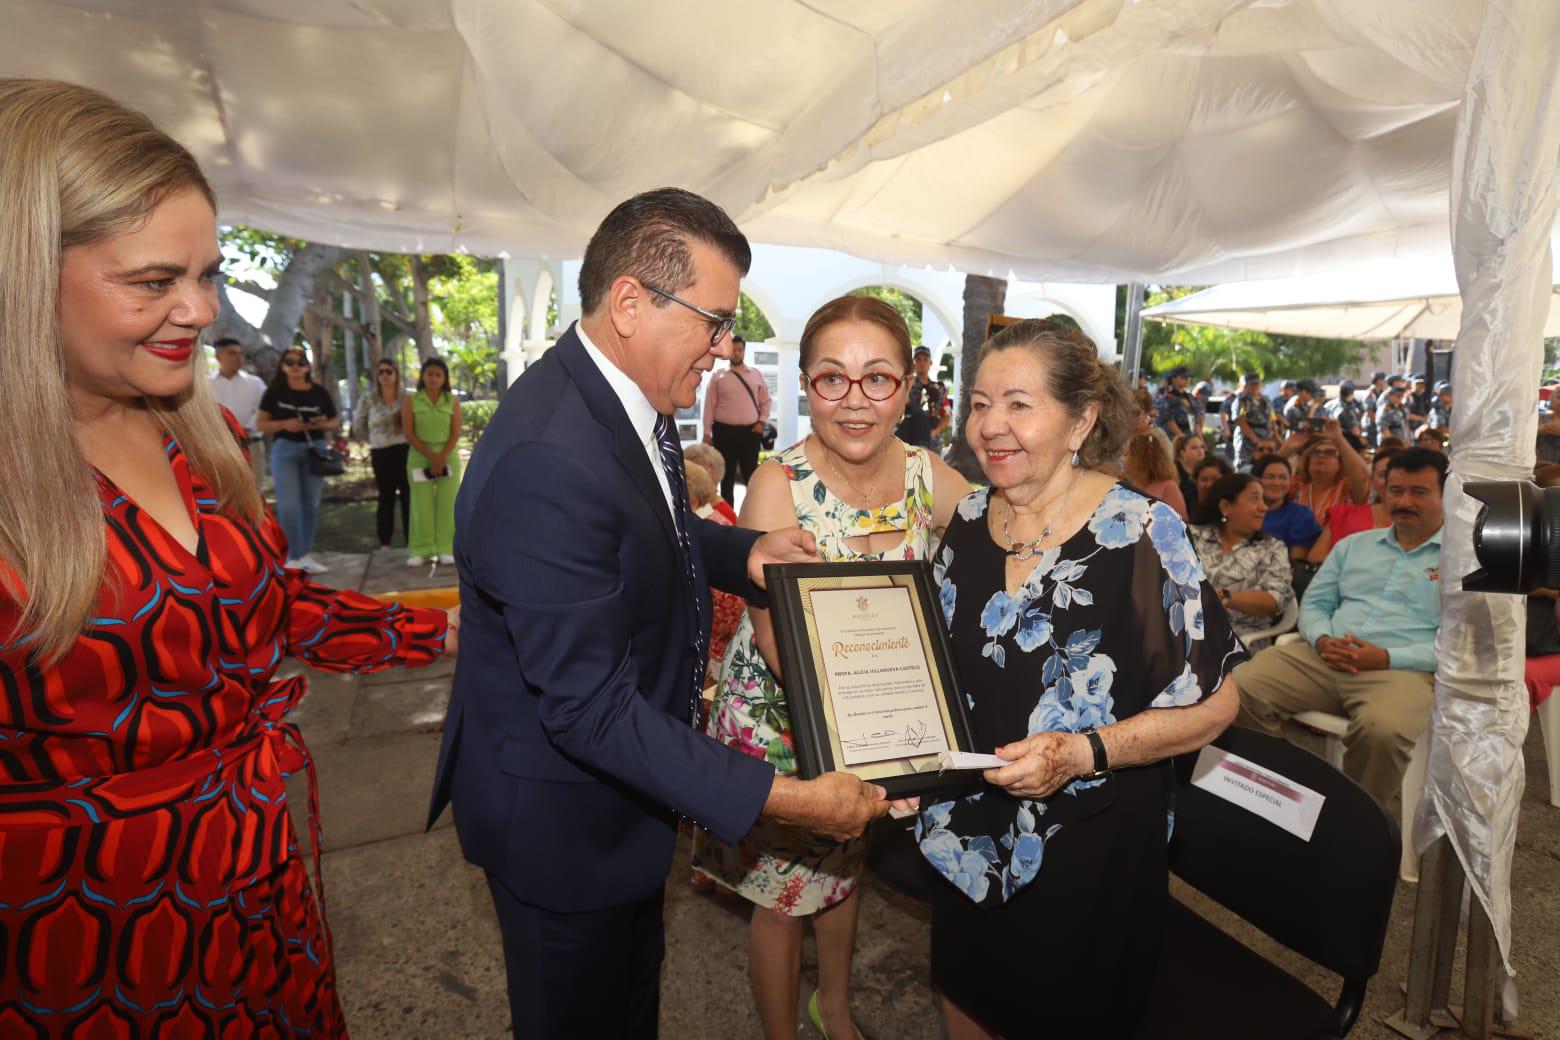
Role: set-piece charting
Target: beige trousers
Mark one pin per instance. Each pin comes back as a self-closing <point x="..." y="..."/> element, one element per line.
<point x="1387" y="710"/>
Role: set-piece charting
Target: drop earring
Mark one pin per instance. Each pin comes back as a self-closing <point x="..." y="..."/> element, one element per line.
<point x="1075" y="460"/>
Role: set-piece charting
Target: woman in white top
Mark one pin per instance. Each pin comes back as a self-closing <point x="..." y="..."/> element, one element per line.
<point x="377" y="420"/>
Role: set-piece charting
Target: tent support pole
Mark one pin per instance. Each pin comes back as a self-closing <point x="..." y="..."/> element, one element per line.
<point x="1132" y="345"/>
<point x="1437" y="907"/>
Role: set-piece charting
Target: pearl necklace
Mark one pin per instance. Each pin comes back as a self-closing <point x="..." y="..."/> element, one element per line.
<point x="1025" y="550"/>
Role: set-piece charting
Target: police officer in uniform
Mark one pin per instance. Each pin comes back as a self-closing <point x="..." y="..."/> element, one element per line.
<point x="1391" y="419"/>
<point x="1302" y="405"/>
<point x="1378" y="383"/>
<point x="1417" y="402"/>
<point x="1346" y="409"/>
<point x="1441" y="407"/>
<point x="1253" y="419"/>
<point x="1174" y="404"/>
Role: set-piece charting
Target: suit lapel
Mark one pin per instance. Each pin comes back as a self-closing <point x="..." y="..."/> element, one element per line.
<point x="608" y="410"/>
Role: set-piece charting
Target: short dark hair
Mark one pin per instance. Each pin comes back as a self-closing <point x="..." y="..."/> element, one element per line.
<point x="1260" y="466"/>
<point x="1225" y="489"/>
<point x="647" y="237"/>
<point x="227" y="341"/>
<point x="1417" y="460"/>
<point x="737" y="337"/>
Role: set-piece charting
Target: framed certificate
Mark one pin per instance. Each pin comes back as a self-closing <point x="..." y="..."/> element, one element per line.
<point x="868" y="673"/>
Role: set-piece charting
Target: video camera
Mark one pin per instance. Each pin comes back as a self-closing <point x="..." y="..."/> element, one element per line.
<point x="1516" y="537"/>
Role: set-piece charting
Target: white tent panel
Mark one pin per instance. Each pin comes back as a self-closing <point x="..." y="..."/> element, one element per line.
<point x="1088" y="140"/>
<point x="1412" y="297"/>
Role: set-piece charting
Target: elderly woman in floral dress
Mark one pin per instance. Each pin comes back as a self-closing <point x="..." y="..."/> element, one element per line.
<point x="1088" y="641"/>
<point x="865" y="495"/>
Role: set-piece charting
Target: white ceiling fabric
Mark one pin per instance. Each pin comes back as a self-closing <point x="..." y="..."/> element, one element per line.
<point x="1413" y="296"/>
<point x="1086" y="140"/>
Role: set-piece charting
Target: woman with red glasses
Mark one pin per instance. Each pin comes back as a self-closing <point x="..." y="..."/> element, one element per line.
<point x="865" y="495"/>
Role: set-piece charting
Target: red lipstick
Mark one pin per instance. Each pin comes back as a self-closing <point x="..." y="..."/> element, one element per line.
<point x="170" y="349"/>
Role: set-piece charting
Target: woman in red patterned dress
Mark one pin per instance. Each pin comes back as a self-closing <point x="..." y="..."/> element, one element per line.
<point x="150" y="882"/>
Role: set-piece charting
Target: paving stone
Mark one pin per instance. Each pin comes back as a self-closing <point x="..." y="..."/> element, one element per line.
<point x="412" y="705"/>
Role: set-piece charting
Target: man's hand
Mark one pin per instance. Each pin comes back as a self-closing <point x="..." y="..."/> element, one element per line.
<point x="758" y="427"/>
<point x="709" y="438"/>
<point x="1352" y="654"/>
<point x="836" y="806"/>
<point x="452" y="631"/>
<point x="787" y="545"/>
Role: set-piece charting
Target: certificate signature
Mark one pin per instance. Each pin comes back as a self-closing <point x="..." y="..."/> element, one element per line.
<point x="912" y="737"/>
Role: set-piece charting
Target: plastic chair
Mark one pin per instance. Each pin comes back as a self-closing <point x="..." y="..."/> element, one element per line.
<point x="1327" y="899"/>
<point x="1286" y="623"/>
<point x="1334" y="727"/>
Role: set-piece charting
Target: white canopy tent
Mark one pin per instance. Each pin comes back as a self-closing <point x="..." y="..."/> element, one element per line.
<point x="1085" y="140"/>
<point x="1413" y="297"/>
<point x="1190" y="141"/>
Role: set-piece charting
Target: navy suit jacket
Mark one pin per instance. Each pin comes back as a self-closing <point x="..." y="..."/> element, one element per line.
<point x="567" y="751"/>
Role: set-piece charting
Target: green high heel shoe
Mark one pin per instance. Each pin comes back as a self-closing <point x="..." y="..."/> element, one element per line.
<point x="817" y="1019"/>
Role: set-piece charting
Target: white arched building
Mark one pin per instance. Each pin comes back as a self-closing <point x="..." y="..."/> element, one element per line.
<point x="789" y="283"/>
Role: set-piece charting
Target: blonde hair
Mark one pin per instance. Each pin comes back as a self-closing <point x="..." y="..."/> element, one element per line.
<point x="1146" y="462"/>
<point x="701" y="486"/>
<point x="708" y="457"/>
<point x="77" y="167"/>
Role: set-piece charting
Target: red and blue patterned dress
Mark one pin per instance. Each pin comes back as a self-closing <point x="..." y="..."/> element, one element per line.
<point x="150" y="881"/>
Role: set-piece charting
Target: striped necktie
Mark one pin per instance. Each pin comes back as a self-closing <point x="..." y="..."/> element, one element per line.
<point x="672" y="463"/>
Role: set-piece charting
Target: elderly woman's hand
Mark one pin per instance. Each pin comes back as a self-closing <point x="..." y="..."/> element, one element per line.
<point x="1041" y="764"/>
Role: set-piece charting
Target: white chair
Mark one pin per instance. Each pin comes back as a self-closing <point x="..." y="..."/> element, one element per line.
<point x="1335" y="726"/>
<point x="1285" y="622"/>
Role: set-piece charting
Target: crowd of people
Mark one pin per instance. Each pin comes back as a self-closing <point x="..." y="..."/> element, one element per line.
<point x="1109" y="590"/>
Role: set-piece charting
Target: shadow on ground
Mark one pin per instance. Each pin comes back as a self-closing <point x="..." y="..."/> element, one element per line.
<point x="417" y="949"/>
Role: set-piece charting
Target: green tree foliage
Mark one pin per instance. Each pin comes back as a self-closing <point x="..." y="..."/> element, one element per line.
<point x="1223" y="354"/>
<point x="463" y="296"/>
<point x="751" y="324"/>
<point x="908" y="306"/>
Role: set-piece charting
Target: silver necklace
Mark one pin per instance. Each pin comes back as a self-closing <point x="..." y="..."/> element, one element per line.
<point x="1025" y="550"/>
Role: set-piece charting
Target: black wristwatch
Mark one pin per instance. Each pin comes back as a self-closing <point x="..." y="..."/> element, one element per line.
<point x="1101" y="762"/>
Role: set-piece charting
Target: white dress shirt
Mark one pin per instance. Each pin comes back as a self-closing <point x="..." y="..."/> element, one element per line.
<point x="241" y="396"/>
<point x="641" y="413"/>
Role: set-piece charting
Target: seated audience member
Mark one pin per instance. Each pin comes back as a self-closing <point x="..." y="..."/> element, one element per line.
<point x="1348" y="518"/>
<point x="1329" y="472"/>
<point x="1287" y="520"/>
<point x="1146" y="467"/>
<point x="1190" y="449"/>
<point x="1147" y="411"/>
<point x="1204" y="474"/>
<point x="1397" y="443"/>
<point x="1246" y="567"/>
<point x="1369" y="621"/>
<point x="727" y="608"/>
<point x="714" y="463"/>
<point x="1429" y="437"/>
<point x="1269" y="446"/>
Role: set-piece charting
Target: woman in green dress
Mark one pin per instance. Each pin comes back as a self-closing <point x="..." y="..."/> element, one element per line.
<point x="865" y="495"/>
<point x="431" y="419"/>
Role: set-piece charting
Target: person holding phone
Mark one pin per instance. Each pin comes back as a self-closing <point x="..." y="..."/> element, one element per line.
<point x="431" y="420"/>
<point x="294" y="411"/>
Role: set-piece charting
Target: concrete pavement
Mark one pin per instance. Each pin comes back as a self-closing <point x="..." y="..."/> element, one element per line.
<point x="417" y="948"/>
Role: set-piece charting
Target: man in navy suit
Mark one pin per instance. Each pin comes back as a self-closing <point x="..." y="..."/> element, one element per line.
<point x="569" y="750"/>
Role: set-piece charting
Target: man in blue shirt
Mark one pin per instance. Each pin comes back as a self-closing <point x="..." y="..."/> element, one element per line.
<point x="1369" y="620"/>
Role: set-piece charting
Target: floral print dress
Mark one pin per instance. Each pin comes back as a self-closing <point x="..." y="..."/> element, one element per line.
<point x="1117" y="619"/>
<point x="777" y="866"/>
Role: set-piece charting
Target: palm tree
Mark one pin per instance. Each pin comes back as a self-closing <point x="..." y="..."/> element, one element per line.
<point x="983" y="297"/>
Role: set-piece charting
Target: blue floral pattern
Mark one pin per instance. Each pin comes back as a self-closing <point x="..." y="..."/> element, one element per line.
<point x="1069" y="650"/>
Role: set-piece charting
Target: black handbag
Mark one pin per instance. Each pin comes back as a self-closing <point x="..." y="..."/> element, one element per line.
<point x="766" y="440"/>
<point x="324" y="460"/>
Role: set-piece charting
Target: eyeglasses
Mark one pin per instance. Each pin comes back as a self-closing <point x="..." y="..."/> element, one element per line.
<point x="835" y="386"/>
<point x="719" y="326"/>
<point x="293" y="362"/>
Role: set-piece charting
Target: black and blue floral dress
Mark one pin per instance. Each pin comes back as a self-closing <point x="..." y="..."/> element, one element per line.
<point x="1066" y="891"/>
